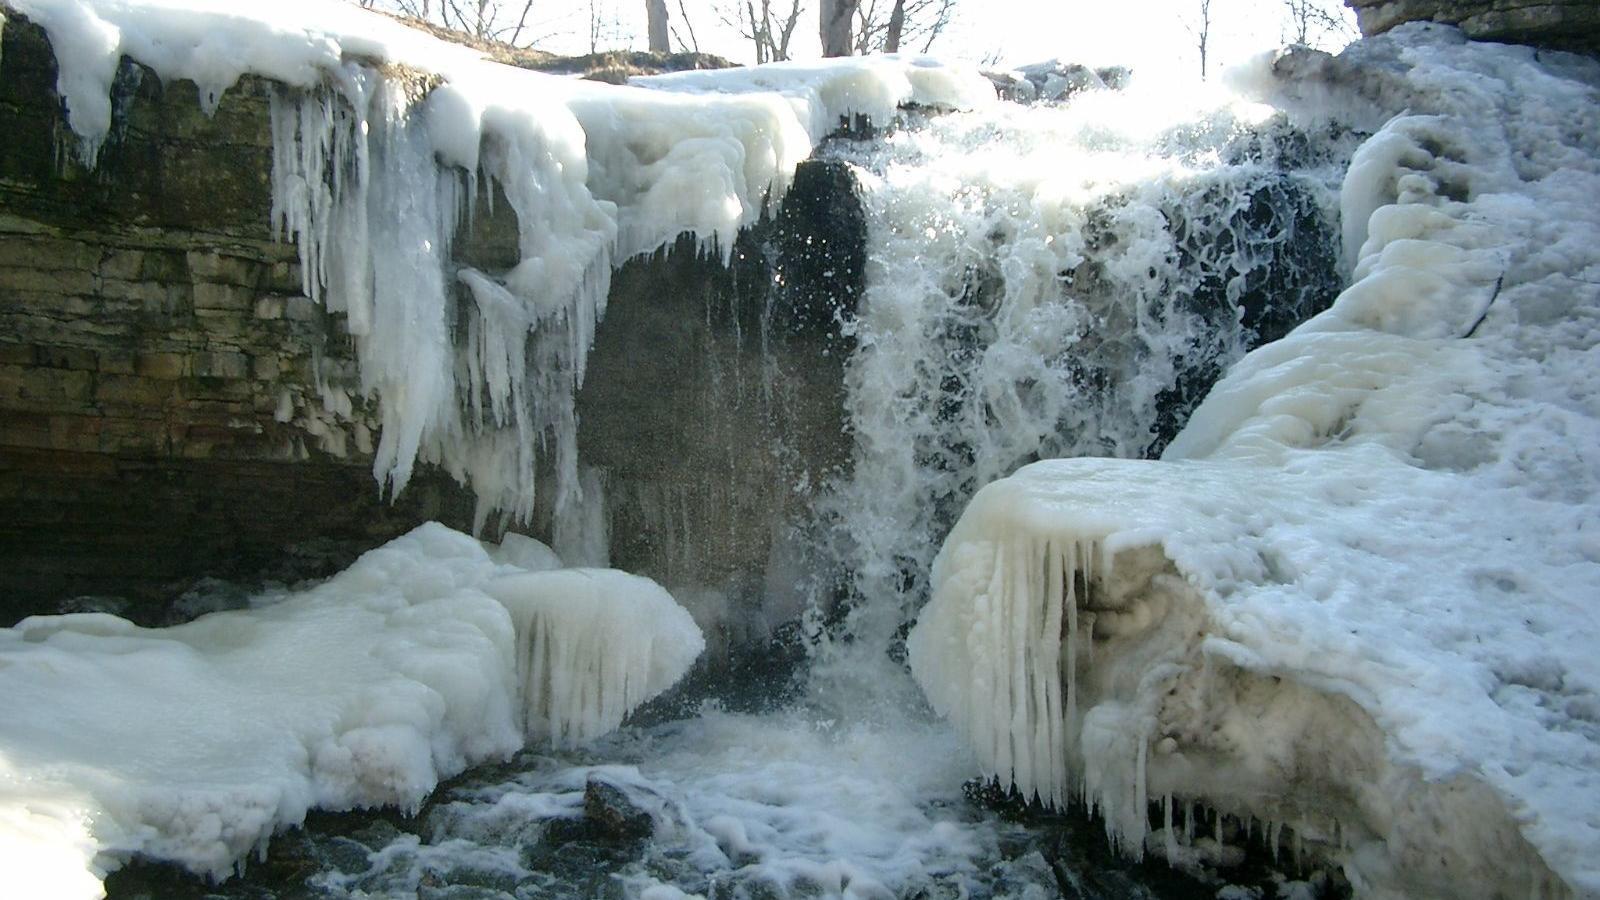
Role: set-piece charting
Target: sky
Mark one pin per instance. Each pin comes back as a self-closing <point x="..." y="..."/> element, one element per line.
<point x="1152" y="36"/>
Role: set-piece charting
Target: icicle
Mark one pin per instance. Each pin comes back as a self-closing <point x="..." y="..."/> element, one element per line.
<point x="1141" y="796"/>
<point x="1049" y="674"/>
<point x="1070" y="602"/>
<point x="1170" y="832"/>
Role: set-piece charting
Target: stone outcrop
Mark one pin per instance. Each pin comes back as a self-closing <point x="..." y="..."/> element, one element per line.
<point x="713" y="408"/>
<point x="1558" y="24"/>
<point x="172" y="406"/>
<point x="162" y="379"/>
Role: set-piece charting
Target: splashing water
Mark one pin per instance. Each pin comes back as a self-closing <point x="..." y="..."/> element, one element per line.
<point x="1052" y="282"/>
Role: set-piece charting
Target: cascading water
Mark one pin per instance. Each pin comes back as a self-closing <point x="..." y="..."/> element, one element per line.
<point x="1056" y="281"/>
<point x="1046" y="281"/>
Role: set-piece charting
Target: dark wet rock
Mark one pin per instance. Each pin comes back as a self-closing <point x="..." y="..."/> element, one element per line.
<point x="1085" y="865"/>
<point x="614" y="814"/>
<point x="1558" y="24"/>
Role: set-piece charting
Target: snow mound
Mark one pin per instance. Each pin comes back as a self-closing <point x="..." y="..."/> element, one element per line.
<point x="194" y="743"/>
<point x="1357" y="594"/>
<point x="593" y="644"/>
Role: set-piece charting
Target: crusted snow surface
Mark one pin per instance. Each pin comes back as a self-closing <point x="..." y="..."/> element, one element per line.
<point x="385" y="140"/>
<point x="1357" y="594"/>
<point x="194" y="743"/>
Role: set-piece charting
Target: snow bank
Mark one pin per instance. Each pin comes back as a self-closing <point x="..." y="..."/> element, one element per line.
<point x="1357" y="594"/>
<point x="384" y="141"/>
<point x="194" y="743"/>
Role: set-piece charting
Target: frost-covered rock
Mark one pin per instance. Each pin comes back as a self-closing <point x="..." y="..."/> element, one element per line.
<point x="1357" y="594"/>
<point x="195" y="743"/>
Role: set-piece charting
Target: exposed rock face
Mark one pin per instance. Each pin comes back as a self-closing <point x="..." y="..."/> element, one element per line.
<point x="713" y="408"/>
<point x="172" y="406"/>
<point x="161" y="401"/>
<point x="1560" y="24"/>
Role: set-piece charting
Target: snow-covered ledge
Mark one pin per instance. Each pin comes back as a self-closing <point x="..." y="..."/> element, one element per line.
<point x="1358" y="594"/>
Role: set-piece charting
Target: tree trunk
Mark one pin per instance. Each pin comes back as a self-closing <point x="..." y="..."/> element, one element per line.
<point x="897" y="24"/>
<point x="837" y="16"/>
<point x="656" y="11"/>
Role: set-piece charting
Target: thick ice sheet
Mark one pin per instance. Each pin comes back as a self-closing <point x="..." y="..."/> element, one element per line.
<point x="1398" y="504"/>
<point x="194" y="743"/>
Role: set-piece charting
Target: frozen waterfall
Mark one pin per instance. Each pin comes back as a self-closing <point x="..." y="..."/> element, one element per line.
<point x="1223" y="448"/>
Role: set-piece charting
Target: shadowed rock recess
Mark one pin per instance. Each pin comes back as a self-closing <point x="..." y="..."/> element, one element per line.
<point x="162" y="375"/>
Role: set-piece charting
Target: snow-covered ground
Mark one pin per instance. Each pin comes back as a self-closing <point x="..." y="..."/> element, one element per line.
<point x="1358" y="593"/>
<point x="195" y="743"/>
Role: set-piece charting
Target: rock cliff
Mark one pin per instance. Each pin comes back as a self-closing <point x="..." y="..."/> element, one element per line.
<point x="172" y="406"/>
<point x="1558" y="24"/>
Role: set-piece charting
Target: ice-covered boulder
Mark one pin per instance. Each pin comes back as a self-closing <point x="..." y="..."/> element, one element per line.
<point x="1357" y="594"/>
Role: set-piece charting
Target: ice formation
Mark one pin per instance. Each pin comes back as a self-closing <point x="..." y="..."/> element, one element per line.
<point x="384" y="139"/>
<point x="194" y="743"/>
<point x="1356" y="595"/>
<point x="1060" y="281"/>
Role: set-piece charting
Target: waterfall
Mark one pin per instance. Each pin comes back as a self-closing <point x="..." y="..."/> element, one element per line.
<point x="1055" y="281"/>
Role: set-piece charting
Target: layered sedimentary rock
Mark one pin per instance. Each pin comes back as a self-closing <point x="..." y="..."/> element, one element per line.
<point x="172" y="405"/>
<point x="1561" y="24"/>
<point x="161" y="374"/>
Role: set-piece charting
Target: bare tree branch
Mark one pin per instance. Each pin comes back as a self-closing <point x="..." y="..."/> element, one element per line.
<point x="683" y="16"/>
<point x="1200" y="28"/>
<point x="921" y="22"/>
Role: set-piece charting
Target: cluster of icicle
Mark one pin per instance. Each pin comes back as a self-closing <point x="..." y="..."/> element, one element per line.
<point x="383" y="140"/>
<point x="593" y="644"/>
<point x="355" y="183"/>
<point x="1017" y="693"/>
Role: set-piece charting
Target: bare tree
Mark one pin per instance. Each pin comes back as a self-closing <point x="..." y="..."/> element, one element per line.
<point x="1309" y="21"/>
<point x="888" y="27"/>
<point x="897" y="25"/>
<point x="769" y="24"/>
<point x="836" y="18"/>
<point x="606" y="30"/>
<point x="522" y="21"/>
<point x="693" y="43"/>
<point x="656" y="16"/>
<point x="1200" y="28"/>
<point x="494" y="20"/>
